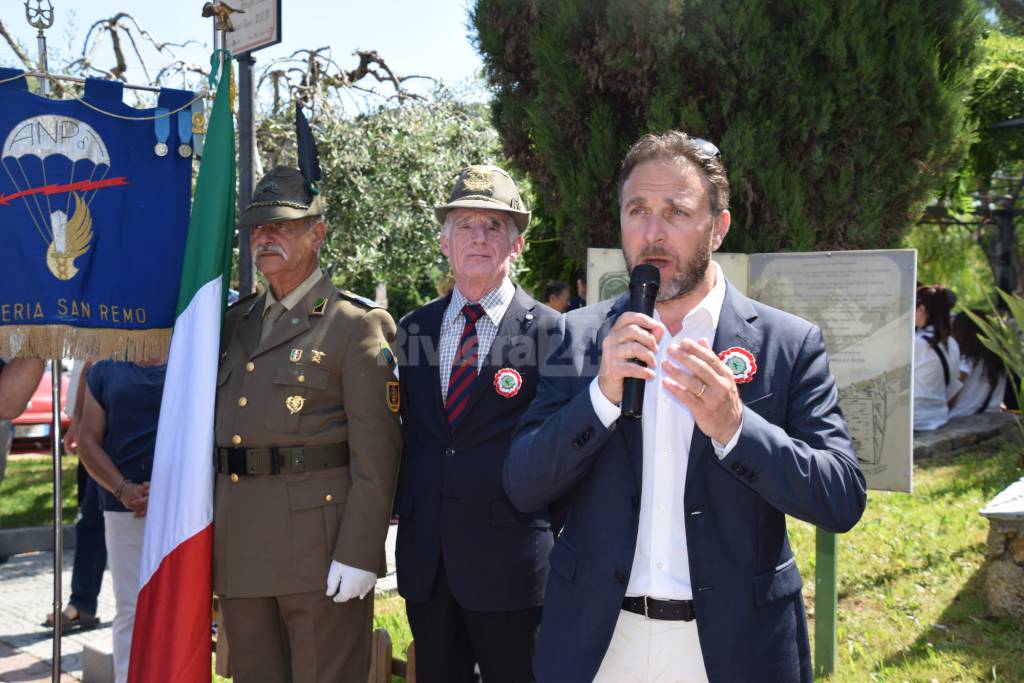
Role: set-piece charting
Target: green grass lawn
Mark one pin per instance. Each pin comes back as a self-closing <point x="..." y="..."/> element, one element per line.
<point x="911" y="574"/>
<point x="26" y="496"/>
<point x="911" y="578"/>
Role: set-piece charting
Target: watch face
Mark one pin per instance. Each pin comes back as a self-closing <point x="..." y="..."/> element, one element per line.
<point x="160" y="149"/>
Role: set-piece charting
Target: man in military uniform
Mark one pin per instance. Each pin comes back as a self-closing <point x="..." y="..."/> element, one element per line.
<point x="308" y="444"/>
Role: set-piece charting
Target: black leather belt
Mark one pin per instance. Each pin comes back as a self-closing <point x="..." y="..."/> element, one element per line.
<point x="669" y="610"/>
<point x="280" y="459"/>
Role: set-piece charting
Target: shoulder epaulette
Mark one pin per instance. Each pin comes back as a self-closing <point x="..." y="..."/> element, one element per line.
<point x="361" y="300"/>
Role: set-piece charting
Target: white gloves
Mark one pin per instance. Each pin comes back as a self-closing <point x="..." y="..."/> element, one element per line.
<point x="354" y="583"/>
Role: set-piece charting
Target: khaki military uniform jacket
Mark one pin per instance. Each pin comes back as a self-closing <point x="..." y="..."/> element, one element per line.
<point x="323" y="375"/>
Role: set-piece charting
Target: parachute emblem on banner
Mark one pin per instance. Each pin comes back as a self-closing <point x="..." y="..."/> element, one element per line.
<point x="71" y="162"/>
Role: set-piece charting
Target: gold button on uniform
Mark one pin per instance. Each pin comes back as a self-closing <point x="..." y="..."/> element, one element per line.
<point x="302" y="378"/>
<point x="234" y="478"/>
<point x="328" y="498"/>
<point x="250" y="366"/>
<point x="236" y="439"/>
<point x="242" y="401"/>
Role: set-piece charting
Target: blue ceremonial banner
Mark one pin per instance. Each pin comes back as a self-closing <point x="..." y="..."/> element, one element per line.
<point x="94" y="205"/>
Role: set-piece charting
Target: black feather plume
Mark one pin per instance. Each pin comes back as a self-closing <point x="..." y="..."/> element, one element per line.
<point x="309" y="160"/>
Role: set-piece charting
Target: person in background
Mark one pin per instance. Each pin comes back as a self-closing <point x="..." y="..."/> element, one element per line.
<point x="579" y="300"/>
<point x="116" y="442"/>
<point x="90" y="545"/>
<point x="936" y="358"/>
<point x="18" y="380"/>
<point x="556" y="295"/>
<point x="981" y="371"/>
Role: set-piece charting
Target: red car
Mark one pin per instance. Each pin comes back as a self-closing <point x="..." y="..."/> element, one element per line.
<point x="32" y="429"/>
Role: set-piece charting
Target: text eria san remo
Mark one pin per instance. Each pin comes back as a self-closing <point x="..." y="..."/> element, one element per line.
<point x="78" y="310"/>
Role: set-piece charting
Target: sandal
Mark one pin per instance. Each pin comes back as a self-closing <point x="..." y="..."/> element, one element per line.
<point x="73" y="619"/>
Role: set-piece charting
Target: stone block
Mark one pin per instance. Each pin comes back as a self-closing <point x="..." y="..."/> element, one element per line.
<point x="97" y="665"/>
<point x="1004" y="589"/>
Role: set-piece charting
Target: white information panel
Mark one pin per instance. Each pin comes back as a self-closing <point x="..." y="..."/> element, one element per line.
<point x="258" y="27"/>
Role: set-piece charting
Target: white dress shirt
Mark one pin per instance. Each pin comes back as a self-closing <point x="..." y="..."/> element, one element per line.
<point x="661" y="566"/>
<point x="931" y="393"/>
<point x="495" y="303"/>
<point x="976" y="389"/>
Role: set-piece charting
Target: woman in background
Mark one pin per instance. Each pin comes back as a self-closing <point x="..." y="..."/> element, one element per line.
<point x="116" y="443"/>
<point x="981" y="371"/>
<point x="936" y="358"/>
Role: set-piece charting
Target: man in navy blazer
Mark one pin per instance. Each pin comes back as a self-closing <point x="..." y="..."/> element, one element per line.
<point x="471" y="567"/>
<point x="674" y="563"/>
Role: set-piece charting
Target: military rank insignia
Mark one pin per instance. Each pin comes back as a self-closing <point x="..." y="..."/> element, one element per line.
<point x="394" y="398"/>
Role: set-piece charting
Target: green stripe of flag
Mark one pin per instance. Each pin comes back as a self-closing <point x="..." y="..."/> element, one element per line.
<point x="211" y="227"/>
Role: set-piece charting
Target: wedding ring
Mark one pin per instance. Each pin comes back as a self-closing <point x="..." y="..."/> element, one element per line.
<point x="703" y="388"/>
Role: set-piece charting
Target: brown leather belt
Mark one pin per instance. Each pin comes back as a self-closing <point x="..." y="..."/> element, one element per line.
<point x="280" y="459"/>
<point x="668" y="610"/>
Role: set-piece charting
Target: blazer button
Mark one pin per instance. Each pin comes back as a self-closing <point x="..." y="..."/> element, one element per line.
<point x="250" y="366"/>
<point x="449" y="452"/>
<point x="242" y="402"/>
<point x="234" y="478"/>
<point x="620" y="577"/>
<point x="328" y="498"/>
<point x="236" y="440"/>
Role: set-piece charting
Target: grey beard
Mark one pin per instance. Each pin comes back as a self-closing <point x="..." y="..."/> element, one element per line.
<point x="691" y="274"/>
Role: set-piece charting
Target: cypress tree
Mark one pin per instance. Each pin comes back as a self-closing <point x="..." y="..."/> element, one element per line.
<point x="837" y="119"/>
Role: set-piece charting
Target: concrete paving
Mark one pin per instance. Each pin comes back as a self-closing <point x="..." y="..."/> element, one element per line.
<point x="26" y="596"/>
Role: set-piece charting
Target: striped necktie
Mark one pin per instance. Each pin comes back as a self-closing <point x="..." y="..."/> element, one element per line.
<point x="460" y="382"/>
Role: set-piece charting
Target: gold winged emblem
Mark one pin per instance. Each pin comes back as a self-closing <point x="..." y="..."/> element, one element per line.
<point x="72" y="237"/>
<point x="295" y="403"/>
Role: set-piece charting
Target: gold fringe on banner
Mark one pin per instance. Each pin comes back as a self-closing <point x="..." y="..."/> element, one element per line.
<point x="64" y="341"/>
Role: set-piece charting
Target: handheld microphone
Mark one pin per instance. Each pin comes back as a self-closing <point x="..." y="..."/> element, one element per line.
<point x="644" y="282"/>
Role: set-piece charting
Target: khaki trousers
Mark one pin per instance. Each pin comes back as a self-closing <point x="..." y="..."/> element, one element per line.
<point x="301" y="638"/>
<point x="652" y="651"/>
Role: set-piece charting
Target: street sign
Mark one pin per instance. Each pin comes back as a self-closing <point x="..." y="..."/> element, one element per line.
<point x="257" y="28"/>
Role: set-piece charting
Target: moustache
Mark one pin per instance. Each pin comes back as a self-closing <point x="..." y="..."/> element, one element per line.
<point x="656" y="253"/>
<point x="270" y="249"/>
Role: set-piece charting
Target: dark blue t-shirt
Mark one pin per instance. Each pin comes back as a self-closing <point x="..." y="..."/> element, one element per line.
<point x="130" y="396"/>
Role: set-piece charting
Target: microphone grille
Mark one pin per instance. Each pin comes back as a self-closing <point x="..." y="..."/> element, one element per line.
<point x="645" y="274"/>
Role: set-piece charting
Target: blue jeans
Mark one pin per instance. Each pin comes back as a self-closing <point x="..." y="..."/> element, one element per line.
<point x="90" y="547"/>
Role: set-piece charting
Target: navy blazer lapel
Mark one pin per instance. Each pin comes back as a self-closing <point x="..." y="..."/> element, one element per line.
<point x="735" y="328"/>
<point x="433" y="355"/>
<point x="630" y="429"/>
<point x="514" y="323"/>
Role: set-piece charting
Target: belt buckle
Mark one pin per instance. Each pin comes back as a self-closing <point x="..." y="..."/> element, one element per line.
<point x="647" y="615"/>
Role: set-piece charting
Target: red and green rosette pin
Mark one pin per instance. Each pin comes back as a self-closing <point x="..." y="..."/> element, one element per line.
<point x="508" y="382"/>
<point x="740" y="362"/>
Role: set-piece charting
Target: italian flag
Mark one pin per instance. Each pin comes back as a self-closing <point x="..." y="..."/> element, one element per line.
<point x="171" y="640"/>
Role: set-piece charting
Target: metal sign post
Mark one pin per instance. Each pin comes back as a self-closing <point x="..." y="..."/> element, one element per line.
<point x="39" y="14"/>
<point x="255" y="26"/>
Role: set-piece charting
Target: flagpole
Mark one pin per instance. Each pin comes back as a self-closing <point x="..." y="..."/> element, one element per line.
<point x="40" y="17"/>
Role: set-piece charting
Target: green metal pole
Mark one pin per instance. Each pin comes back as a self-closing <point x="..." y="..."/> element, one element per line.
<point x="824" y="603"/>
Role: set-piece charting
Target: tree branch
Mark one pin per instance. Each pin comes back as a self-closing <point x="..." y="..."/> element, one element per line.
<point x="22" y="56"/>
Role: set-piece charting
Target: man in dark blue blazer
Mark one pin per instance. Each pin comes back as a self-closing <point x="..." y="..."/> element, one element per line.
<point x="674" y="563"/>
<point x="471" y="567"/>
